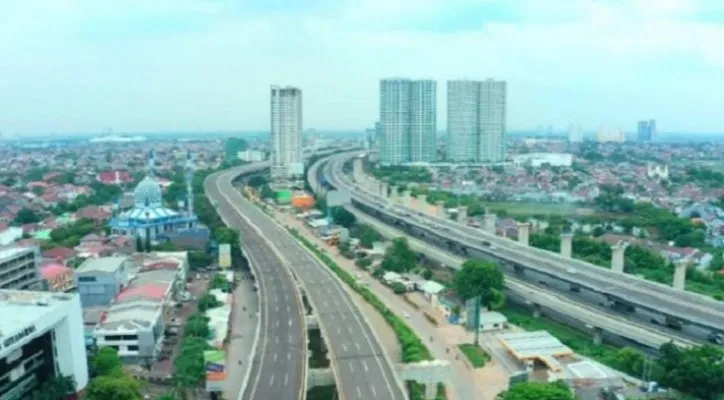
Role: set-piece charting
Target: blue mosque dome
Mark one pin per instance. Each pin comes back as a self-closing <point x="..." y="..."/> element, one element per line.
<point x="148" y="193"/>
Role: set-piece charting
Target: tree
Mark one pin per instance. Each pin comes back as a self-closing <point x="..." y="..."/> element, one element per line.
<point x="538" y="391"/>
<point x="226" y="235"/>
<point x="189" y="365"/>
<point x="106" y="362"/>
<point x="139" y="244"/>
<point x="698" y="371"/>
<point x="199" y="260"/>
<point x="208" y="301"/>
<point x="121" y="387"/>
<point x="27" y="216"/>
<point x="399" y="257"/>
<point x="56" y="388"/>
<point x="342" y="217"/>
<point x="148" y="241"/>
<point x="257" y="181"/>
<point x="480" y="278"/>
<point x="197" y="325"/>
<point x="398" y="288"/>
<point x="427" y="273"/>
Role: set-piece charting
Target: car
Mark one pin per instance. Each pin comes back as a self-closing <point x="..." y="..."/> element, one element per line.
<point x="406" y="314"/>
<point x="571" y="270"/>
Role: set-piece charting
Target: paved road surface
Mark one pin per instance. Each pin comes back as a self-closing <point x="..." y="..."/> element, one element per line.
<point x="361" y="368"/>
<point x="279" y="367"/>
<point x="689" y="306"/>
<point x="243" y="329"/>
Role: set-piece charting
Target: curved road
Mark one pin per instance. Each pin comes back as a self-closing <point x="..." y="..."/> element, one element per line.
<point x="280" y="362"/>
<point x="362" y="370"/>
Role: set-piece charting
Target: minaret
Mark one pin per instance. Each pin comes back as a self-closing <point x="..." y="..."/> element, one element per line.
<point x="189" y="183"/>
<point x="151" y="163"/>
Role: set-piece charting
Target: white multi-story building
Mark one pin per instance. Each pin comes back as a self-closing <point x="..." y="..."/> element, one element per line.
<point x="408" y="121"/>
<point x="476" y="120"/>
<point x="41" y="337"/>
<point x="19" y="268"/>
<point x="575" y="133"/>
<point x="249" y="155"/>
<point x="286" y="133"/>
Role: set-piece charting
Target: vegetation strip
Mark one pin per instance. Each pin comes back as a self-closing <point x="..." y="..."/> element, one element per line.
<point x="413" y="348"/>
<point x="475" y="354"/>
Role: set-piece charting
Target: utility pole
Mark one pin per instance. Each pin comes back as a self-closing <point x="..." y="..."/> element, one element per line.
<point x="477" y="321"/>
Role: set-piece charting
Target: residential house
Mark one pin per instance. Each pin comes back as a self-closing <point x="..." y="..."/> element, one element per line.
<point x="63" y="255"/>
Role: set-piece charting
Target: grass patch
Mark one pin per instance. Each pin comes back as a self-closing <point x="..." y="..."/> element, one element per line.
<point x="475" y="354"/>
<point x="322" y="393"/>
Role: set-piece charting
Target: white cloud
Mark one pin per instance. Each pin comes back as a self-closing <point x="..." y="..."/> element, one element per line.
<point x="600" y="63"/>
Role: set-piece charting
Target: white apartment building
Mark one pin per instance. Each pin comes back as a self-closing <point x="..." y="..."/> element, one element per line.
<point x="286" y="133"/>
<point x="19" y="268"/>
<point x="251" y="155"/>
<point x="41" y="337"/>
<point x="476" y="121"/>
<point x="575" y="133"/>
<point x="408" y="121"/>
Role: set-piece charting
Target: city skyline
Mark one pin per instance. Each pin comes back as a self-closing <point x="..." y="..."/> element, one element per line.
<point x="408" y="116"/>
<point x="193" y="65"/>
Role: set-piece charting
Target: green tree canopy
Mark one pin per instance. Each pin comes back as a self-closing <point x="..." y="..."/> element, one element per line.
<point x="698" y="371"/>
<point x="119" y="387"/>
<point x="189" y="364"/>
<point x="27" y="216"/>
<point x="399" y="257"/>
<point x="481" y="278"/>
<point x="197" y="325"/>
<point x="538" y="391"/>
<point x="56" y="388"/>
<point x="106" y="362"/>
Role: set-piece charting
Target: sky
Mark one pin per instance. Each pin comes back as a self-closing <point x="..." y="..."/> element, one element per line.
<point x="200" y="65"/>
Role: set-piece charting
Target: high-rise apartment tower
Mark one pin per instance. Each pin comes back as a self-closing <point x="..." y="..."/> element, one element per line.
<point x="286" y="133"/>
<point x="476" y="120"/>
<point x="408" y="121"/>
<point x="646" y="130"/>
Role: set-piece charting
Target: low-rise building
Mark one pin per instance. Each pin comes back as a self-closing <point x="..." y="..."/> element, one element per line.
<point x="99" y="280"/>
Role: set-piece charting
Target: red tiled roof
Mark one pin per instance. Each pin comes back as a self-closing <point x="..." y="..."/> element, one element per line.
<point x="59" y="252"/>
<point x="160" y="265"/>
<point x="151" y="291"/>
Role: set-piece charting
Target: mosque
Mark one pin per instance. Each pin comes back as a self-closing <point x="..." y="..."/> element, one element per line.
<point x="149" y="217"/>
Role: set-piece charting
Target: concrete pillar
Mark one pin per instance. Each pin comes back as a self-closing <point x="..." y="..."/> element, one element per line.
<point x="617" y="257"/>
<point x="680" y="275"/>
<point x="537" y="310"/>
<point x="430" y="391"/>
<point x="597" y="335"/>
<point x="489" y="224"/>
<point x="462" y="214"/>
<point x="422" y="203"/>
<point x="440" y="209"/>
<point x="385" y="190"/>
<point x="407" y="198"/>
<point x="380" y="188"/>
<point x="566" y="244"/>
<point x="523" y="232"/>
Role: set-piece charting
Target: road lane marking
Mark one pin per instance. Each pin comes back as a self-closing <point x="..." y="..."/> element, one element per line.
<point x="374" y="392"/>
<point x="289" y="356"/>
<point x="359" y="393"/>
<point x="364" y="364"/>
<point x="275" y="357"/>
<point x="357" y="346"/>
<point x="271" y="381"/>
<point x="351" y="367"/>
<point x="344" y="347"/>
<point x="290" y="322"/>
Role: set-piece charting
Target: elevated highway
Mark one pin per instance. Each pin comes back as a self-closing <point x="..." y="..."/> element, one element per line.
<point x="361" y="368"/>
<point x="518" y="260"/>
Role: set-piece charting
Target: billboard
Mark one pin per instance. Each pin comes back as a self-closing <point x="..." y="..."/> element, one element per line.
<point x="338" y="198"/>
<point x="214" y="365"/>
<point x="225" y="255"/>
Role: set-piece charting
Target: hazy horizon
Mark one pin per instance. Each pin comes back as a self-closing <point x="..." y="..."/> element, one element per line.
<point x="190" y="65"/>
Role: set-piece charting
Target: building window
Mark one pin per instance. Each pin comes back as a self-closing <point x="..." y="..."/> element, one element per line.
<point x="86" y="279"/>
<point x="133" y="347"/>
<point x="129" y="337"/>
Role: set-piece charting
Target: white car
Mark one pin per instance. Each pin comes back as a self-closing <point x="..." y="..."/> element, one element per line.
<point x="571" y="270"/>
<point x="406" y="314"/>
